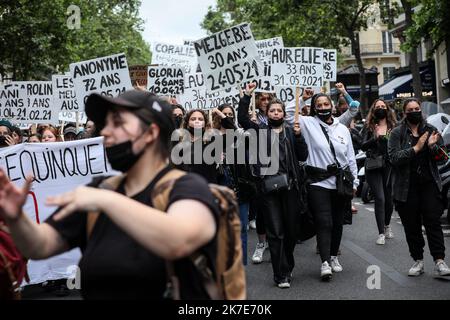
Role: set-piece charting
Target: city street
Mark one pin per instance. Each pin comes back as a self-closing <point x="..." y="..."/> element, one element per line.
<point x="359" y="251"/>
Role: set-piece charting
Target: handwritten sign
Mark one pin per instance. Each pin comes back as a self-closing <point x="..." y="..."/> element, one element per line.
<point x="108" y="76"/>
<point x="228" y="58"/>
<point x="297" y="67"/>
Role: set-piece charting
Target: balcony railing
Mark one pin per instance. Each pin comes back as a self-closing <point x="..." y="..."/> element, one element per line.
<point x="375" y="49"/>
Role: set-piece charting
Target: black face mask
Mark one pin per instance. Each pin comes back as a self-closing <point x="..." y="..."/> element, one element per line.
<point x="227" y="123"/>
<point x="380" y="114"/>
<point x="324" y="114"/>
<point x="192" y="130"/>
<point x="178" y="120"/>
<point x="121" y="156"/>
<point x="276" y="123"/>
<point x="414" y="117"/>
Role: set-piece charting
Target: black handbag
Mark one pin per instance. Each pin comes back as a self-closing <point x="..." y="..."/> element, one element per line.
<point x="344" y="182"/>
<point x="373" y="163"/>
<point x="344" y="177"/>
<point x="275" y="183"/>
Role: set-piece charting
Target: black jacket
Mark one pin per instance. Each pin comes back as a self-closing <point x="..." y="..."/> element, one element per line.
<point x="374" y="146"/>
<point x="401" y="153"/>
<point x="298" y="147"/>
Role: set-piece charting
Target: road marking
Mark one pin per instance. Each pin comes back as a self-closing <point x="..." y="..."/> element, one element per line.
<point x="370" y="209"/>
<point x="393" y="274"/>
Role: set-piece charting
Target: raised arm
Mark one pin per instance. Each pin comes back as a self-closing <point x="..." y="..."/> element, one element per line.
<point x="33" y="241"/>
<point x="243" y="108"/>
<point x="347" y="117"/>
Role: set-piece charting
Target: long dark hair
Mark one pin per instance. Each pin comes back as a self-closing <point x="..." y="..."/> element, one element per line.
<point x="371" y="120"/>
<point x="408" y="101"/>
<point x="313" y="102"/>
<point x="185" y="123"/>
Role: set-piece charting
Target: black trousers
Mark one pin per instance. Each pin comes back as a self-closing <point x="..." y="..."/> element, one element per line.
<point x="382" y="191"/>
<point x="328" y="210"/>
<point x="424" y="205"/>
<point x="257" y="212"/>
<point x="281" y="219"/>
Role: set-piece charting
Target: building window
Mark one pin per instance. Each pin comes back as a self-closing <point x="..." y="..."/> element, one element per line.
<point x="387" y="73"/>
<point x="387" y="42"/>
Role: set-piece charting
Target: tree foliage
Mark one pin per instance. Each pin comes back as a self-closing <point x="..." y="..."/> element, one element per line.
<point x="430" y="21"/>
<point x="36" y="41"/>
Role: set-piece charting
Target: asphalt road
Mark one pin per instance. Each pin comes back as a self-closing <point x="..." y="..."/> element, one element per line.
<point x="359" y="252"/>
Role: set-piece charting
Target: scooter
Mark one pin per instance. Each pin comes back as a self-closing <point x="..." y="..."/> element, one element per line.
<point x="443" y="121"/>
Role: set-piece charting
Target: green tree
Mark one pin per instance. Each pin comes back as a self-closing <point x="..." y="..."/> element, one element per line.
<point x="411" y="49"/>
<point x="36" y="41"/>
<point x="424" y="20"/>
<point x="429" y="21"/>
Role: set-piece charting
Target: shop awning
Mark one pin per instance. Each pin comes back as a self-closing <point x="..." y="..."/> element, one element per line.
<point x="389" y="89"/>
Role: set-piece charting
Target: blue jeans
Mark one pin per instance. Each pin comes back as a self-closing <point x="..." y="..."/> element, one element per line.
<point x="243" y="213"/>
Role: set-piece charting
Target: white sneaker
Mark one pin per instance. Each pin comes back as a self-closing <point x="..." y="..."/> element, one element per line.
<point x="259" y="252"/>
<point x="381" y="240"/>
<point x="388" y="232"/>
<point x="326" y="272"/>
<point x="252" y="224"/>
<point x="417" y="269"/>
<point x="335" y="265"/>
<point x="284" y="284"/>
<point x="442" y="270"/>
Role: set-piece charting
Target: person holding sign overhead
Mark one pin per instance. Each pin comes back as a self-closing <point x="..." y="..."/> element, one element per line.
<point x="280" y="188"/>
<point x="261" y="101"/>
<point x="332" y="174"/>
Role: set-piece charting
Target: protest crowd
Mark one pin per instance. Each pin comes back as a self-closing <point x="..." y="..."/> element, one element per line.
<point x="164" y="220"/>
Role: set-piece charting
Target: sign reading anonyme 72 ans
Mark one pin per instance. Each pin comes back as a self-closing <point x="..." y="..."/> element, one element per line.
<point x="108" y="76"/>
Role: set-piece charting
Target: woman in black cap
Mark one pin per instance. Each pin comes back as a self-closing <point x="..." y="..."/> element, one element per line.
<point x="126" y="245"/>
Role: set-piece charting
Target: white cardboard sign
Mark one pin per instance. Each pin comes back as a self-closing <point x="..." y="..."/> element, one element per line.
<point x="228" y="58"/>
<point x="108" y="76"/>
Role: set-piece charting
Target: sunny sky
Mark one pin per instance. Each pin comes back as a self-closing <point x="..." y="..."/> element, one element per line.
<point x="173" y="21"/>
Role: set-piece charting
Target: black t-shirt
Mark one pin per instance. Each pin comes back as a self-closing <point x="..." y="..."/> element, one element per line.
<point x="207" y="171"/>
<point x="115" y="266"/>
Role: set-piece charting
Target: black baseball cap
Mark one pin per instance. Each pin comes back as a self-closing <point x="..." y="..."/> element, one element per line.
<point x="145" y="105"/>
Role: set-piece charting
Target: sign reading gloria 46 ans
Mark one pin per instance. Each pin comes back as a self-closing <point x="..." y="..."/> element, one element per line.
<point x="26" y="102"/>
<point x="108" y="76"/>
<point x="229" y="58"/>
<point x="297" y="67"/>
<point x="166" y="80"/>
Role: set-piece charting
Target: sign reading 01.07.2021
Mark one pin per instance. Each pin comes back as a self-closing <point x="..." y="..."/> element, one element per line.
<point x="229" y="57"/>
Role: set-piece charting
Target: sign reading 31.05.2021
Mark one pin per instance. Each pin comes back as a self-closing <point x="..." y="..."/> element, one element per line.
<point x="297" y="67"/>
